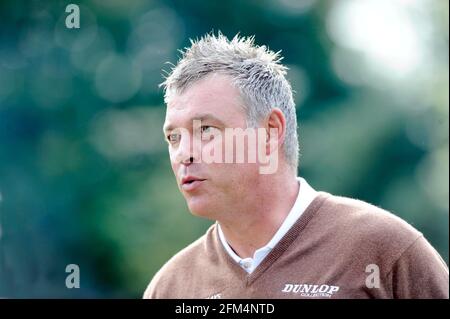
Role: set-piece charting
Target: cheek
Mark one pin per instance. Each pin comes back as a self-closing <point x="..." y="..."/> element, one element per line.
<point x="171" y="155"/>
<point x="173" y="164"/>
<point x="174" y="167"/>
<point x="234" y="177"/>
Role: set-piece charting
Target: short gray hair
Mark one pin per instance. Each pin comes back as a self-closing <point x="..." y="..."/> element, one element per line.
<point x="256" y="72"/>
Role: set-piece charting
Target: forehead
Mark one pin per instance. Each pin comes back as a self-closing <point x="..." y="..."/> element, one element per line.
<point x="214" y="94"/>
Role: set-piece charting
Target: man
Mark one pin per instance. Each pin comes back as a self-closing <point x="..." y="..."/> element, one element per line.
<point x="274" y="236"/>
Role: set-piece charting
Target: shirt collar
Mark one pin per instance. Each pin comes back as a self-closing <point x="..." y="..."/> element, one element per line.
<point x="306" y="195"/>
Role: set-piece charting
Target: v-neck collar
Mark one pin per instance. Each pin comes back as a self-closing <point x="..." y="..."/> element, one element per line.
<point x="279" y="248"/>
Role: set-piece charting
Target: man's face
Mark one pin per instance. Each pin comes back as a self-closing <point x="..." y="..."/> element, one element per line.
<point x="210" y="189"/>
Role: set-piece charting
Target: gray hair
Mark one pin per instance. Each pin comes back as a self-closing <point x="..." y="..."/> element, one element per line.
<point x="256" y="72"/>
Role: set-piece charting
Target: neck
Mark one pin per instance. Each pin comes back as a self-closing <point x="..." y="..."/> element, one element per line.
<point x="252" y="227"/>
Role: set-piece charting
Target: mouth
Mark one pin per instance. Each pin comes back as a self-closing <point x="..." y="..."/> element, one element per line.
<point x="189" y="183"/>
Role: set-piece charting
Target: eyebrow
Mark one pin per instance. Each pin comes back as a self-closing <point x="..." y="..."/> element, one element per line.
<point x="201" y="116"/>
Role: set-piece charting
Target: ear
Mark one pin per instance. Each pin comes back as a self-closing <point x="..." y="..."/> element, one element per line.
<point x="275" y="130"/>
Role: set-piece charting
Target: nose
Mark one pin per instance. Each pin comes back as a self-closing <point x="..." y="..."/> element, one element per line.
<point x="186" y="152"/>
<point x="188" y="161"/>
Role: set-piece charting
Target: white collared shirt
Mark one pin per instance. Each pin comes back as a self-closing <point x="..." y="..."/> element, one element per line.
<point x="305" y="196"/>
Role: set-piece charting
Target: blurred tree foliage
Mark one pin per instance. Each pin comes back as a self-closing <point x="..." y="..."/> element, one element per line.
<point x="84" y="171"/>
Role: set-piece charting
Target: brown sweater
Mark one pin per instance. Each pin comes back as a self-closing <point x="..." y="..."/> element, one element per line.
<point x="338" y="248"/>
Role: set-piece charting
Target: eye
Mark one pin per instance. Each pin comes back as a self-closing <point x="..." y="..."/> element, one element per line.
<point x="206" y="129"/>
<point x="173" y="138"/>
<point x="208" y="132"/>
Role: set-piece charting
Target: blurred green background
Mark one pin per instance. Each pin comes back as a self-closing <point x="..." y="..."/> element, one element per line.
<point x="84" y="170"/>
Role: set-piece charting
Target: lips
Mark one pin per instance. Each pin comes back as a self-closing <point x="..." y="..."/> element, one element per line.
<point x="190" y="179"/>
<point x="189" y="183"/>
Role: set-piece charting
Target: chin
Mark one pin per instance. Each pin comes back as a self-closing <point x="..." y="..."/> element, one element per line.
<point x="200" y="208"/>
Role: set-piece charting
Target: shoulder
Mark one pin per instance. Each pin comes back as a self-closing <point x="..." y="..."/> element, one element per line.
<point x="366" y="229"/>
<point x="364" y="219"/>
<point x="363" y="235"/>
<point x="178" y="266"/>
